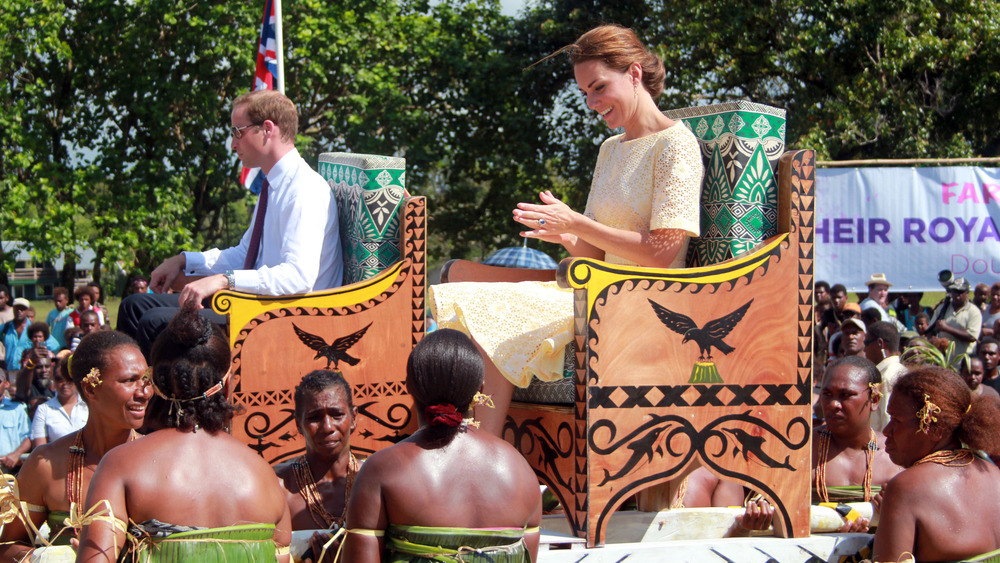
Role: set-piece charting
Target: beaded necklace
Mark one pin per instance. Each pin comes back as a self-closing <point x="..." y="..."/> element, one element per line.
<point x="308" y="489"/>
<point x="824" y="453"/>
<point x="77" y="459"/>
<point x="949" y="458"/>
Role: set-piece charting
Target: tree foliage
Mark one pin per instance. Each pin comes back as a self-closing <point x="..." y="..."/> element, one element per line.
<point x="115" y="113"/>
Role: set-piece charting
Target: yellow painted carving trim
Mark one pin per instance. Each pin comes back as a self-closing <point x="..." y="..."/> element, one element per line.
<point x="243" y="307"/>
<point x="600" y="279"/>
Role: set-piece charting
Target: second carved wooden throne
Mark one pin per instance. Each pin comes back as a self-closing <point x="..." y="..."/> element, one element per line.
<point x="709" y="364"/>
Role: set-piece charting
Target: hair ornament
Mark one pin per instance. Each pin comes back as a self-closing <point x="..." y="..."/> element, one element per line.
<point x="175" y="403"/>
<point x="481" y="399"/>
<point x="926" y="414"/>
<point x="968" y="408"/>
<point x="876" y="391"/>
<point x="147" y="376"/>
<point x="93" y="378"/>
<point x="466" y="422"/>
<point x="443" y="415"/>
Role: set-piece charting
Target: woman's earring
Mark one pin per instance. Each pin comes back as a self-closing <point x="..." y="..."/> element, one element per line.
<point x="635" y="89"/>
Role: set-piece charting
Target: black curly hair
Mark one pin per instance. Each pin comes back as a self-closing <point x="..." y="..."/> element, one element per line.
<point x="93" y="352"/>
<point x="188" y="358"/>
<point x="318" y="381"/>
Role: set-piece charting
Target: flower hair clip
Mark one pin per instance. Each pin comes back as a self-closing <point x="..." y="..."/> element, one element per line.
<point x="481" y="399"/>
<point x="93" y="378"/>
<point x="926" y="414"/>
<point x="876" y="391"/>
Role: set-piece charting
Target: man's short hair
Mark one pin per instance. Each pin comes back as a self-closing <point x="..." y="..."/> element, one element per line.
<point x="57" y="291"/>
<point x="922" y="315"/>
<point x="871" y="316"/>
<point x="838" y="288"/>
<point x="273" y="105"/>
<point x="887" y="332"/>
<point x="822" y="284"/>
<point x="987" y="340"/>
<point x="4" y="289"/>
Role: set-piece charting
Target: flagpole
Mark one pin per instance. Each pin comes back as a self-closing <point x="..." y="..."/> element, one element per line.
<point x="278" y="39"/>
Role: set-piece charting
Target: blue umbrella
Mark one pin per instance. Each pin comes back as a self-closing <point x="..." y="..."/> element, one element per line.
<point x="521" y="257"/>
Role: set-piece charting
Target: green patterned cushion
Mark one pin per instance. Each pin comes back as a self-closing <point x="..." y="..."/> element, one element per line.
<point x="369" y="191"/>
<point x="741" y="143"/>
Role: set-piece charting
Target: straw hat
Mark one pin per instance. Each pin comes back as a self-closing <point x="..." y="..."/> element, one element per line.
<point x="878" y="279"/>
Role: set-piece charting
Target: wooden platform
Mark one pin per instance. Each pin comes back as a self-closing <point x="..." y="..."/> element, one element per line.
<point x="557" y="548"/>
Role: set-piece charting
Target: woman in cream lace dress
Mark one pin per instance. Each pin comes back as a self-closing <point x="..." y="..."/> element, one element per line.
<point x="642" y="209"/>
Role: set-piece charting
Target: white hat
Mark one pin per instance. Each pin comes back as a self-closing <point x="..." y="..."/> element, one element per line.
<point x="22" y="302"/>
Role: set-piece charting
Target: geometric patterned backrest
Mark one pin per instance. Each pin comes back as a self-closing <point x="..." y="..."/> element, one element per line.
<point x="741" y="143"/>
<point x="369" y="190"/>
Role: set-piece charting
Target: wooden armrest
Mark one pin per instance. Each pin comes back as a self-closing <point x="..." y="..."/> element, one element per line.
<point x="468" y="271"/>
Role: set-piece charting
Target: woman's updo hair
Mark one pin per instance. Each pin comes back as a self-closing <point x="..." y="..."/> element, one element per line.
<point x="445" y="368"/>
<point x="971" y="420"/>
<point x="318" y="381"/>
<point x="94" y="351"/>
<point x="189" y="358"/>
<point x="618" y="48"/>
<point x="863" y="365"/>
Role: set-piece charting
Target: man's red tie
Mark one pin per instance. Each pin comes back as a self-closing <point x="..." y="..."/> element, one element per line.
<point x="258" y="229"/>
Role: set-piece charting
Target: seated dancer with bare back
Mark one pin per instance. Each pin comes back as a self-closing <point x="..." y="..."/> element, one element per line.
<point x="189" y="491"/>
<point x="109" y="372"/>
<point x="701" y="489"/>
<point x="945" y="505"/>
<point x="449" y="492"/>
<point x="849" y="459"/>
<point x="318" y="484"/>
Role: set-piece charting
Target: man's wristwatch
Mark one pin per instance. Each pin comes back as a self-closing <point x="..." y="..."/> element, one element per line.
<point x="231" y="278"/>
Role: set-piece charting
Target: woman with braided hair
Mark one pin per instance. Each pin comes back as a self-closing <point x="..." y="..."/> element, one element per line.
<point x="189" y="491"/>
<point x="449" y="490"/>
<point x="945" y="505"/>
<point x="108" y="370"/>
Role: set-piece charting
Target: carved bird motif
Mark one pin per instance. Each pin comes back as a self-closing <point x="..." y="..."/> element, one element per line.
<point x="707" y="337"/>
<point x="336" y="351"/>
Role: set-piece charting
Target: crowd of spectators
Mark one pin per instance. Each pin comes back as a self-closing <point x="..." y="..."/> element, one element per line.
<point x="40" y="403"/>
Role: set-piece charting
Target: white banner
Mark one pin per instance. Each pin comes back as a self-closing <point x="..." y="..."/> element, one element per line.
<point x="909" y="223"/>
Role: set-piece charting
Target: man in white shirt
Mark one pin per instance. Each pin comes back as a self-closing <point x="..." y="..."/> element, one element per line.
<point x="882" y="349"/>
<point x="298" y="247"/>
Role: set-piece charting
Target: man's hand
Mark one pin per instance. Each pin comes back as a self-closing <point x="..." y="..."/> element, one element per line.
<point x="11" y="460"/>
<point x="197" y="291"/>
<point x="164" y="275"/>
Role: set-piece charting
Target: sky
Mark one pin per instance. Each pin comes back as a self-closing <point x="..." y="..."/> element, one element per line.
<point x="511" y="7"/>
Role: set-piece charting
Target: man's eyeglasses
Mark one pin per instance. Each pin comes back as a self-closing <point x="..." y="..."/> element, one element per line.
<point x="238" y="131"/>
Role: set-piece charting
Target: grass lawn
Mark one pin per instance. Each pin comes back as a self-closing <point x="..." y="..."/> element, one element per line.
<point x="43" y="306"/>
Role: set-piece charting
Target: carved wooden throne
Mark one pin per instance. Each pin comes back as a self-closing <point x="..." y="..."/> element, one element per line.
<point x="646" y="404"/>
<point x="373" y="321"/>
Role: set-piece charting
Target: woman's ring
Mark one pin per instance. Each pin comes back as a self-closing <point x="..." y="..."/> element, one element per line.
<point x="541" y="222"/>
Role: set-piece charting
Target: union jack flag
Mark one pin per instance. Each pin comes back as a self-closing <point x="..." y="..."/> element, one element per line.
<point x="265" y="77"/>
